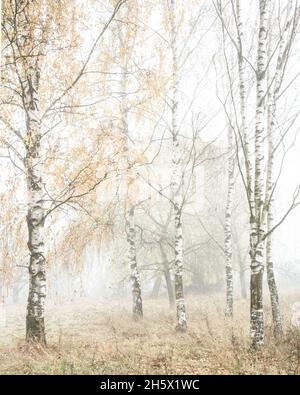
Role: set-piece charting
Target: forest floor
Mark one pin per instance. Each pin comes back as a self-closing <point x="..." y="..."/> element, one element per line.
<point x="101" y="338"/>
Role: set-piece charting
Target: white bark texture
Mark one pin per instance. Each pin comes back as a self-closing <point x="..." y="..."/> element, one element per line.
<point x="228" y="227"/>
<point x="253" y="186"/>
<point x="35" y="326"/>
<point x="244" y="126"/>
<point x="258" y="226"/>
<point x="137" y="304"/>
<point x="176" y="183"/>
<point x="272" y="98"/>
<point x="276" y="316"/>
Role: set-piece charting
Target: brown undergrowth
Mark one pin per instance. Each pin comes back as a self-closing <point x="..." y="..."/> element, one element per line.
<point x="101" y="338"/>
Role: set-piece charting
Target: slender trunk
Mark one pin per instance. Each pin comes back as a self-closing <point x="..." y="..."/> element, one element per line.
<point x="258" y="226"/>
<point x="243" y="283"/>
<point x="276" y="315"/>
<point x="244" y="137"/>
<point x="137" y="304"/>
<point x="228" y="229"/>
<point x="272" y="96"/>
<point x="35" y="318"/>
<point x="256" y="297"/>
<point x="256" y="313"/>
<point x="156" y="286"/>
<point x="167" y="275"/>
<point x="169" y="285"/>
<point x="176" y="184"/>
<point x="242" y="269"/>
<point x="285" y="44"/>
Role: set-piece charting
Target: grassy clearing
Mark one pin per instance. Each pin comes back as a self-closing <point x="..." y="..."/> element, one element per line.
<point x="101" y="338"/>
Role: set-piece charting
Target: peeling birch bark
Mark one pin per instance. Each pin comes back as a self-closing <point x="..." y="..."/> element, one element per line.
<point x="35" y="317"/>
<point x="272" y="96"/>
<point x="257" y="244"/>
<point x="244" y="125"/>
<point x="137" y="304"/>
<point x="254" y="187"/>
<point x="228" y="227"/>
<point x="177" y="184"/>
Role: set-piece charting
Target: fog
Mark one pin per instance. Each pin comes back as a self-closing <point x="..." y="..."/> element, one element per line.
<point x="127" y="133"/>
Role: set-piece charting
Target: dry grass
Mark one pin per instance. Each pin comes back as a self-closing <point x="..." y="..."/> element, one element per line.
<point x="89" y="338"/>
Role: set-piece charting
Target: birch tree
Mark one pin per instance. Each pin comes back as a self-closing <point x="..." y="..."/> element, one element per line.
<point x="228" y="225"/>
<point x="137" y="304"/>
<point x="126" y="34"/>
<point x="35" y="325"/>
<point x="260" y="203"/>
<point x="28" y="28"/>
<point x="27" y="38"/>
<point x="258" y="230"/>
<point x="274" y="84"/>
<point x="177" y="180"/>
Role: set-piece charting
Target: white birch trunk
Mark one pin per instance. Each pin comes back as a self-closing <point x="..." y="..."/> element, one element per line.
<point x="258" y="228"/>
<point x="176" y="184"/>
<point x="246" y="152"/>
<point x="137" y="304"/>
<point x="254" y="192"/>
<point x="272" y="96"/>
<point x="35" y="325"/>
<point x="228" y="229"/>
<point x="276" y="316"/>
<point x="243" y="110"/>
